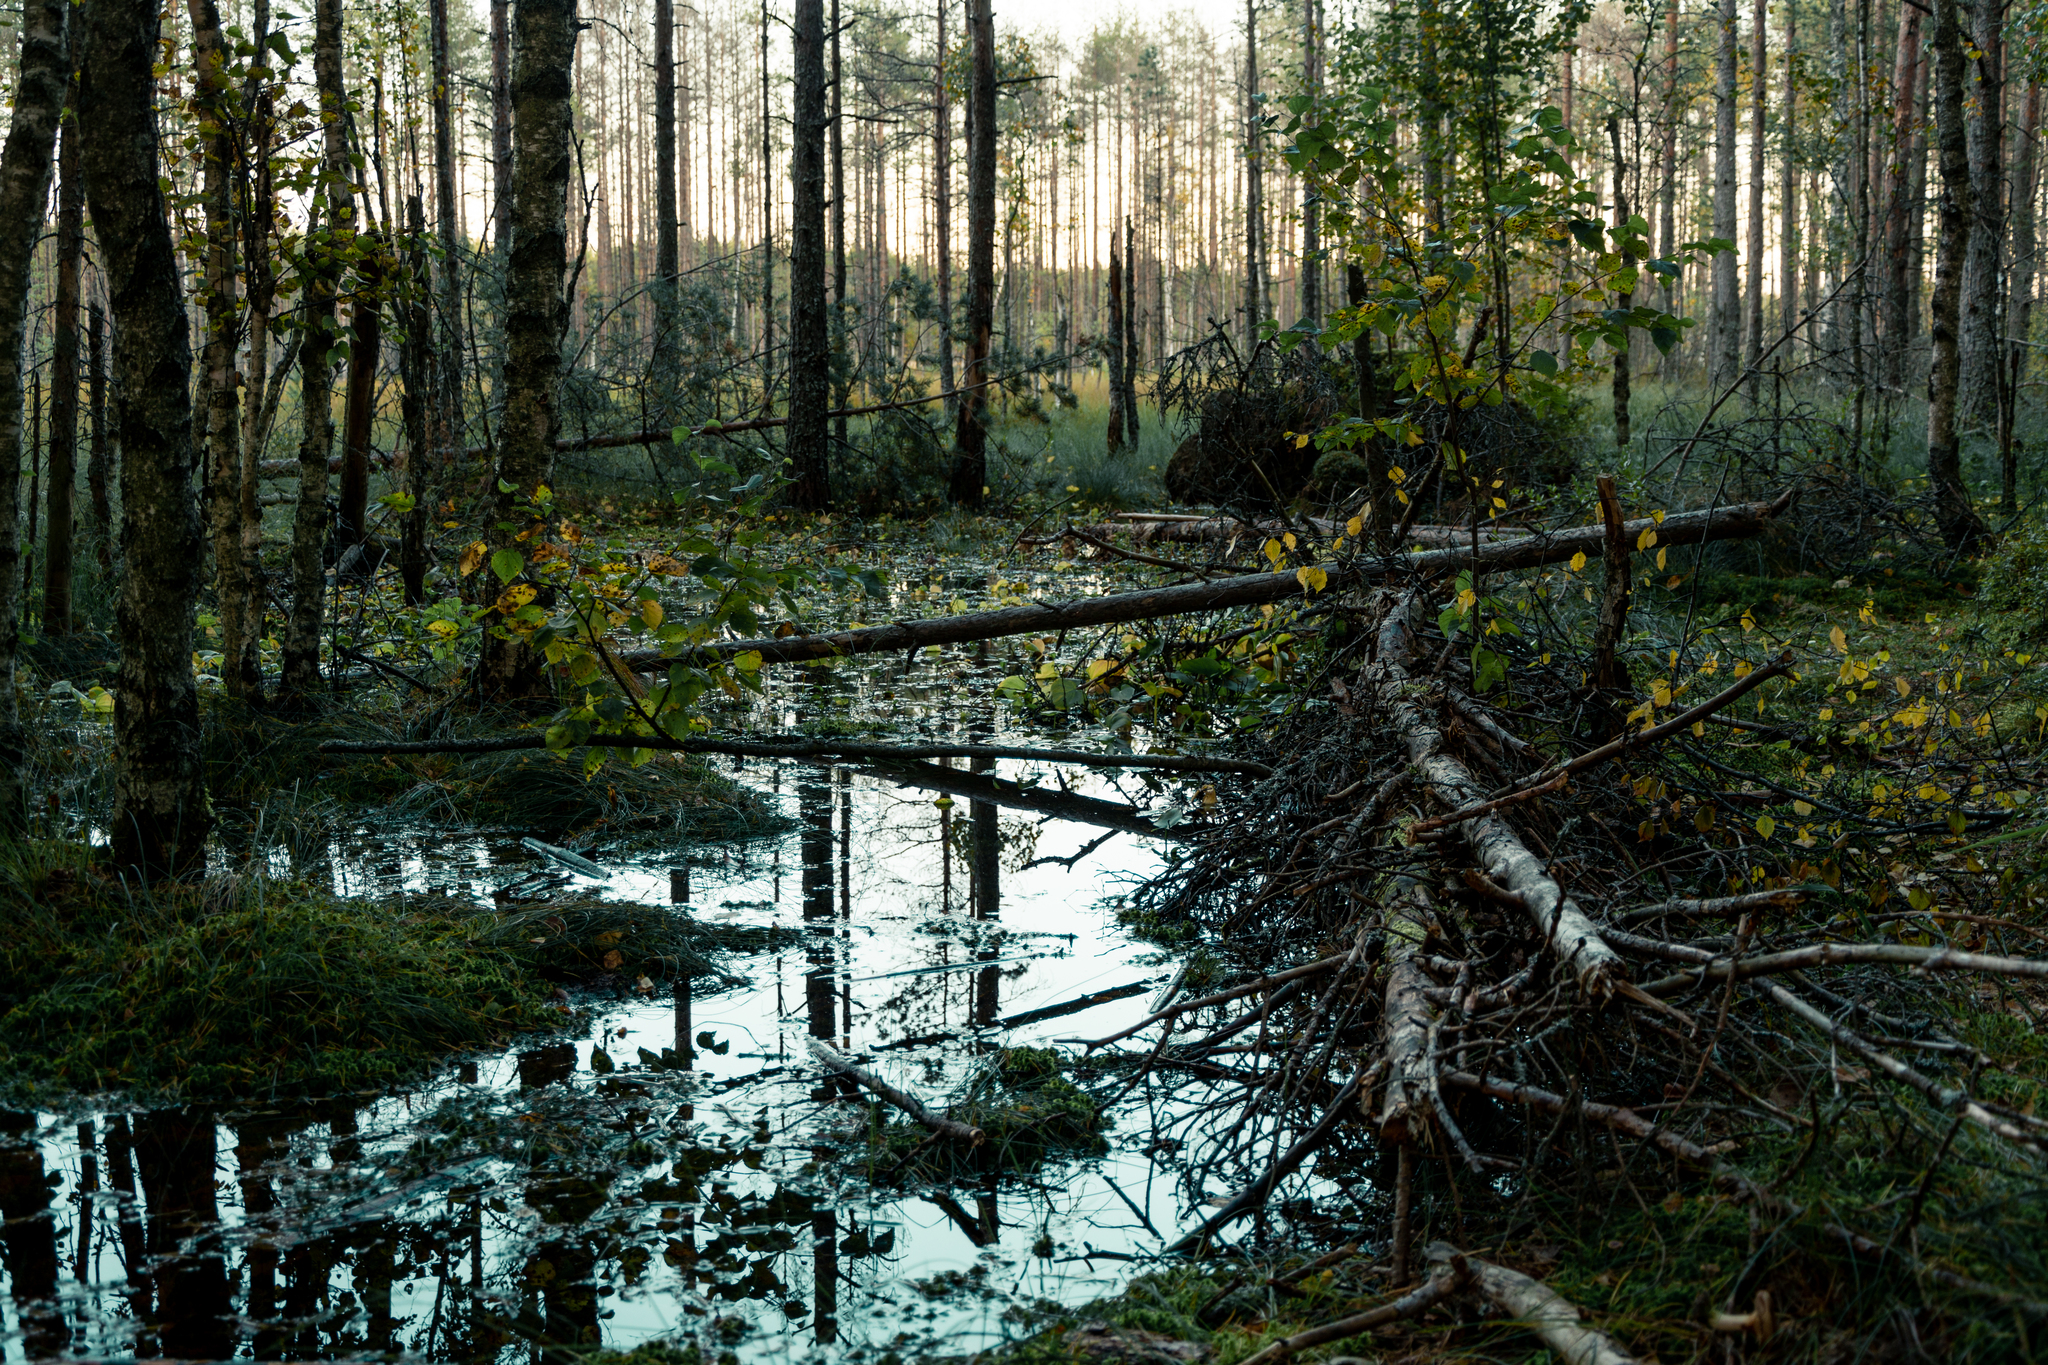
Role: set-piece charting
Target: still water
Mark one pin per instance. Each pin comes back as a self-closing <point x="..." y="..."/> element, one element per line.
<point x="684" y="1169"/>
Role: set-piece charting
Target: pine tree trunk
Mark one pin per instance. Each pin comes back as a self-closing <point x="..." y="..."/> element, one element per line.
<point x="1960" y="526"/>
<point x="1753" y="303"/>
<point x="942" y="209"/>
<point x="536" y="311"/>
<point x="667" y="264"/>
<point x="1984" y="101"/>
<point x="1726" y="357"/>
<point x="99" y="464"/>
<point x="57" y="555"/>
<point x="422" y="391"/>
<point x="1625" y="301"/>
<point x="970" y="442"/>
<point x="501" y="125"/>
<point x="1311" y="211"/>
<point x="810" y="342"/>
<point x="1114" y="347"/>
<point x="444" y="418"/>
<point x="160" y="814"/>
<point x="1254" y="196"/>
<point x="843" y="379"/>
<point x="25" y="164"/>
<point x="1130" y="335"/>
<point x="1788" y="188"/>
<point x="366" y="335"/>
<point x="1900" y="206"/>
<point x="2020" y="311"/>
<point x="767" y="229"/>
<point x="334" y="213"/>
<point x="241" y="673"/>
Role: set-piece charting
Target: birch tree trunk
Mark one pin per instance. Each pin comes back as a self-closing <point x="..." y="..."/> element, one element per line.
<point x="64" y="373"/>
<point x="25" y="165"/>
<point x="241" y="673"/>
<point x="1725" y="359"/>
<point x="970" y="442"/>
<point x="160" y="815"/>
<point x="1960" y="526"/>
<point x="444" y="426"/>
<point x="2020" y="311"/>
<point x="810" y="343"/>
<point x="1900" y="206"/>
<point x="329" y="237"/>
<point x="536" y="310"/>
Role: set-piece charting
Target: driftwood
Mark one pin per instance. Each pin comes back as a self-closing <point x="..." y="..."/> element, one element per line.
<point x="943" y="1127"/>
<point x="1541" y="1309"/>
<point x="799" y="746"/>
<point x="1570" y="934"/>
<point x="1451" y="1278"/>
<point x="1242" y="590"/>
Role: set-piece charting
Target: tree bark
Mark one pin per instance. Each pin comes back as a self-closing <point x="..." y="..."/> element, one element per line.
<point x="57" y="554"/>
<point x="366" y="338"/>
<point x="1114" y="349"/>
<point x="1960" y="526"/>
<point x="536" y="311"/>
<point x="160" y="815"/>
<point x="1254" y="195"/>
<point x="1753" y="303"/>
<point x="667" y="265"/>
<point x="329" y="239"/>
<point x="25" y="165"/>
<point x="2020" y="311"/>
<point x="810" y="342"/>
<point x="1130" y="335"/>
<point x="1311" y="210"/>
<point x="444" y="420"/>
<point x="422" y="390"/>
<point x="1900" y="206"/>
<point x="942" y="201"/>
<point x="99" y="463"/>
<point x="1788" y="185"/>
<point x="1627" y="300"/>
<point x="1725" y="360"/>
<point x="501" y="124"/>
<point x="1984" y="103"/>
<point x="970" y="441"/>
<point x="241" y="672"/>
<point x="1667" y="187"/>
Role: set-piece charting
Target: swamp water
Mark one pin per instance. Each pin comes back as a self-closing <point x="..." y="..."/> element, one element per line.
<point x="685" y="1170"/>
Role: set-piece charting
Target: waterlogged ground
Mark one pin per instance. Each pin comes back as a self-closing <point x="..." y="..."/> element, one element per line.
<point x="683" y="1168"/>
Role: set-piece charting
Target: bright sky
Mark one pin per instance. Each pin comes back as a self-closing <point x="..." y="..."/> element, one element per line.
<point x="1072" y="19"/>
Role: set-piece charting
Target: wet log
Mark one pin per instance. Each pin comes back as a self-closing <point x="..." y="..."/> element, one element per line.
<point x="909" y="1104"/>
<point x="1242" y="590"/>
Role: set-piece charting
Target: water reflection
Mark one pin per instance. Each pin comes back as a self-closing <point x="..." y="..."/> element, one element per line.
<point x="530" y="1205"/>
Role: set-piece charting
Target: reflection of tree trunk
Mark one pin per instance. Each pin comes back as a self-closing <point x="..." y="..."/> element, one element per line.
<point x="127" y="1216"/>
<point x="987" y="886"/>
<point x="257" y="1143"/>
<point x="29" y="1239"/>
<point x="814" y="810"/>
<point x="88" y="1209"/>
<point x="175" y="1156"/>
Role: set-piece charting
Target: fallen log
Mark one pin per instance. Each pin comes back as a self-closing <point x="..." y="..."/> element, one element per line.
<point x="1451" y="1278"/>
<point x="1242" y="590"/>
<point x="1544" y="1311"/>
<point x="1405" y="1105"/>
<point x="909" y="1104"/>
<point x="1074" y="1006"/>
<point x="774" y="746"/>
<point x="1566" y="929"/>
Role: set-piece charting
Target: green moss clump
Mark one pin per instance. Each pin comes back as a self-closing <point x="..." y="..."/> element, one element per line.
<point x="1028" y="1108"/>
<point x="2014" y="589"/>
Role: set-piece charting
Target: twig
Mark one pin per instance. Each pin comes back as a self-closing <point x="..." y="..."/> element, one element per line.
<point x="1454" y="1277"/>
<point x="945" y="1127"/>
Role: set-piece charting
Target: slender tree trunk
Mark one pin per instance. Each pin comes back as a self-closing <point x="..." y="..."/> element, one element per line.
<point x="1960" y="525"/>
<point x="1753" y="304"/>
<point x="1625" y="301"/>
<point x="501" y="125"/>
<point x="99" y="465"/>
<point x="444" y="418"/>
<point x="160" y="815"/>
<point x="536" y="312"/>
<point x="1900" y="206"/>
<point x="1130" y="334"/>
<point x="810" y="342"/>
<point x="1726" y="358"/>
<point x="25" y="164"/>
<point x="1254" y="196"/>
<point x="334" y="213"/>
<point x="942" y="207"/>
<point x="1436" y="150"/>
<point x="1115" y="348"/>
<point x="2020" y="311"/>
<point x="842" y="378"/>
<point x="970" y="442"/>
<point x="767" y="229"/>
<point x="366" y="336"/>
<point x="422" y="392"/>
<point x="1788" y="186"/>
<point x="214" y="98"/>
<point x="667" y="266"/>
<point x="1984" y="102"/>
<point x="241" y="672"/>
<point x="1311" y="211"/>
<point x="64" y="377"/>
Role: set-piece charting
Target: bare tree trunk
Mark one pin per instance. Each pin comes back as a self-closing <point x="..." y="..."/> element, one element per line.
<point x="422" y="392"/>
<point x="1311" y="210"/>
<point x="241" y="672"/>
<point x="767" y="229"/>
<point x="667" y="264"/>
<point x="844" y="380"/>
<point x="1626" y="301"/>
<point x="810" y="342"/>
<point x="1984" y="102"/>
<point x="1667" y="186"/>
<point x="100" y="459"/>
<point x="942" y="206"/>
<point x="366" y="335"/>
<point x="536" y="311"/>
<point x="501" y="125"/>
<point x="25" y="164"/>
<point x="444" y="419"/>
<point x="64" y="377"/>
<point x="1900" y="205"/>
<point x="1725" y="360"/>
<point x="1114" y="349"/>
<point x="1959" y="522"/>
<point x="334" y="212"/>
<point x="2020" y="311"/>
<point x="1130" y="343"/>
<point x="222" y="154"/>
<point x="160" y="815"/>
<point x="970" y="442"/>
<point x="1254" y="195"/>
<point x="1753" y="304"/>
<point x="1788" y="185"/>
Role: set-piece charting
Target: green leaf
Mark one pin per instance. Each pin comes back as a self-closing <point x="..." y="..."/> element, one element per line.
<point x="1543" y="362"/>
<point x="506" y="564"/>
<point x="1664" y="338"/>
<point x="1588" y="234"/>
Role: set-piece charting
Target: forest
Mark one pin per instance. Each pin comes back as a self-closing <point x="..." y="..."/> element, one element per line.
<point x="863" y="682"/>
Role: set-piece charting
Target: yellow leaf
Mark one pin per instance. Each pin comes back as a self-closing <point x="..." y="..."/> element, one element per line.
<point x="1657" y="517"/>
<point x="1274" y="552"/>
<point x="1802" y="808"/>
<point x="1905" y="688"/>
<point x="472" y="557"/>
<point x="1646" y="539"/>
<point x="650" y="612"/>
<point x="1766" y="826"/>
<point x="1660" y="560"/>
<point x="1748" y="621"/>
<point x="1100" y="667"/>
<point x="1578" y="561"/>
<point x="1312" y="578"/>
<point x="444" y="629"/>
<point x="514" y="597"/>
<point x="1288" y="540"/>
<point x="1838" y="640"/>
<point x="1355" y="527"/>
<point x="749" y="662"/>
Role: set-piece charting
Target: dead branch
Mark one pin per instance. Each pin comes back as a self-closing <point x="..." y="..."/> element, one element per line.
<point x="1449" y="1279"/>
<point x="1264" y="983"/>
<point x="867" y="1080"/>
<point x="1405" y="1106"/>
<point x="1842" y="954"/>
<point x="1541" y="1309"/>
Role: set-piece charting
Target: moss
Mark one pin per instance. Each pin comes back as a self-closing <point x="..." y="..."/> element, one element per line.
<point x="1025" y="1107"/>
